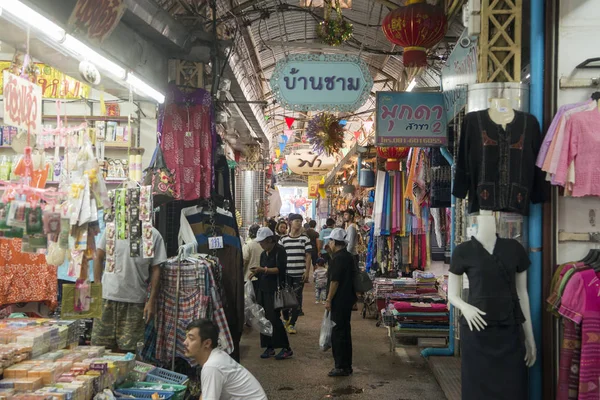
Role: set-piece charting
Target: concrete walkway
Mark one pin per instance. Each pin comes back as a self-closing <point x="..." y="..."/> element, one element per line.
<point x="378" y="374"/>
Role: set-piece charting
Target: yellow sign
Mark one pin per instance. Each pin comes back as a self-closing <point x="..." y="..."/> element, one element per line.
<point x="54" y="84"/>
<point x="313" y="186"/>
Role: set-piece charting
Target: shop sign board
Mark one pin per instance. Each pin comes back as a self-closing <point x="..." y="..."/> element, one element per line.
<point x="321" y="82"/>
<point x="458" y="73"/>
<point x="313" y="186"/>
<point x="96" y="19"/>
<point x="54" y="84"/>
<point x="307" y="163"/>
<point x="410" y="119"/>
<point x="22" y="103"/>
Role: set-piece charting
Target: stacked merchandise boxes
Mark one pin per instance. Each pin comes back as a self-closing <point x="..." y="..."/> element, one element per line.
<point x="34" y="364"/>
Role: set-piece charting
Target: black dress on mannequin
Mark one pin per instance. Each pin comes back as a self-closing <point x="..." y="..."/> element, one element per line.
<point x="493" y="360"/>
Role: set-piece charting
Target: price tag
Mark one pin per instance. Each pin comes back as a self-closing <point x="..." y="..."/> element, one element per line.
<point x="215" y="243"/>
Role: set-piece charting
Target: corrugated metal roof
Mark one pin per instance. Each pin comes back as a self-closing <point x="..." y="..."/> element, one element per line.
<point x="268" y="30"/>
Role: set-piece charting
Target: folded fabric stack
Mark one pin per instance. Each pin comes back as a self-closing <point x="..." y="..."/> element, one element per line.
<point x="426" y="282"/>
<point x="422" y="317"/>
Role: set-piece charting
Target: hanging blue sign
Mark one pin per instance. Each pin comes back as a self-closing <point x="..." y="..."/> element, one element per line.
<point x="458" y="73"/>
<point x="410" y="120"/>
<point x="321" y="82"/>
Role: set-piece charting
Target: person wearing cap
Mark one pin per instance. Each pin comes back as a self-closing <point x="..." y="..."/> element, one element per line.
<point x="298" y="249"/>
<point x="351" y="234"/>
<point x="270" y="273"/>
<point x="322" y="242"/>
<point x="340" y="300"/>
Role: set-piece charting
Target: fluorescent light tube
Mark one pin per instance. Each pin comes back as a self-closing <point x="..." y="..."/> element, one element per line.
<point x="144" y="89"/>
<point x="31" y="18"/>
<point x="411" y="85"/>
<point x="83" y="52"/>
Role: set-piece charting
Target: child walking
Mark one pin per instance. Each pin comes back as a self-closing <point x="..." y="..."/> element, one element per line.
<point x="320" y="277"/>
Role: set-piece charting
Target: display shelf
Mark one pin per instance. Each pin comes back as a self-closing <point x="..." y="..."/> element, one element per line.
<point x="89" y="118"/>
<point x="111" y="181"/>
<point x="111" y="146"/>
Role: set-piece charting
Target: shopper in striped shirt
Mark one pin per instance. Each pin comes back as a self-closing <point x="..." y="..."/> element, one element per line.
<point x="298" y="249"/>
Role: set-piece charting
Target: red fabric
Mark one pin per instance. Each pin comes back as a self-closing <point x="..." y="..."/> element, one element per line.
<point x="25" y="277"/>
<point x="187" y="147"/>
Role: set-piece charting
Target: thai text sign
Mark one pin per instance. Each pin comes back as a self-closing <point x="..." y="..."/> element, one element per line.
<point x="458" y="73"/>
<point x="22" y="103"/>
<point x="313" y="186"/>
<point x="96" y="19"/>
<point x="307" y="163"/>
<point x="410" y="119"/>
<point x="54" y="84"/>
<point x="321" y="82"/>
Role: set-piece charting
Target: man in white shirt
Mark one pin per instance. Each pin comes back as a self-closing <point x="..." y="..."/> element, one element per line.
<point x="222" y="378"/>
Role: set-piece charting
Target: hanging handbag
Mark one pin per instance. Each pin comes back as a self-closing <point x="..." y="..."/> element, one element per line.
<point x="161" y="179"/>
<point x="284" y="296"/>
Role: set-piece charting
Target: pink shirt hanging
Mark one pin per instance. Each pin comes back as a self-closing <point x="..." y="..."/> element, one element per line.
<point x="188" y="136"/>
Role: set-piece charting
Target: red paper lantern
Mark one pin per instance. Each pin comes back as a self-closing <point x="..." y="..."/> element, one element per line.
<point x="393" y="155"/>
<point x="416" y="26"/>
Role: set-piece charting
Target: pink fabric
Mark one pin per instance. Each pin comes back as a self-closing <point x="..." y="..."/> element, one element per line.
<point x="187" y="147"/>
<point x="404" y="306"/>
<point x="581" y="304"/>
<point x="581" y="145"/>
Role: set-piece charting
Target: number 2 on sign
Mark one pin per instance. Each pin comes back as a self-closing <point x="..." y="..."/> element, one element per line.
<point x="215" y="243"/>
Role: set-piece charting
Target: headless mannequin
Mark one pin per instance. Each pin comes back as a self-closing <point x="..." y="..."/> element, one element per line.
<point x="501" y="111"/>
<point x="486" y="235"/>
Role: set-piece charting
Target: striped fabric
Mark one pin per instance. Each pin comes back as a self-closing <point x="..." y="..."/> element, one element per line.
<point x="296" y="248"/>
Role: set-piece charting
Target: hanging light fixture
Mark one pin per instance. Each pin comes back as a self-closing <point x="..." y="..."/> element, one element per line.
<point x="417" y="26"/>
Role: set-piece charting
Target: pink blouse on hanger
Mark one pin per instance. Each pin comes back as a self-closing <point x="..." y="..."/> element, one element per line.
<point x="581" y="145"/>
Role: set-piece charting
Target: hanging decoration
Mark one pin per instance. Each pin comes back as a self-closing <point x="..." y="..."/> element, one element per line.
<point x="356" y="135"/>
<point x="325" y="134"/>
<point x="368" y="125"/>
<point x="417" y="27"/>
<point x="393" y="155"/>
<point x="290" y="121"/>
<point x="289" y="133"/>
<point x="334" y="30"/>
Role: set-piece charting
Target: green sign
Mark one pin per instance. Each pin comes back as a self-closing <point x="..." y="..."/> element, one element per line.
<point x="321" y="82"/>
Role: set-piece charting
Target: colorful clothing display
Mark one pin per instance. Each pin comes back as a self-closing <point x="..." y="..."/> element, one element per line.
<point x="198" y="297"/>
<point x="25" y="277"/>
<point x="581" y="304"/>
<point x="495" y="166"/>
<point x="188" y="135"/>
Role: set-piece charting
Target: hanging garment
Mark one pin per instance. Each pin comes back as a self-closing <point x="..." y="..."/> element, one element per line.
<point x="188" y="136"/>
<point x="496" y="166"/>
<point x="25" y="277"/>
<point x="581" y="304"/>
<point x="581" y="147"/>
<point x="196" y="226"/>
<point x="198" y="297"/>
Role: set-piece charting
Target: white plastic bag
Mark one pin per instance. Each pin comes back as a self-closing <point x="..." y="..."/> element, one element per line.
<point x="326" y="328"/>
<point x="255" y="314"/>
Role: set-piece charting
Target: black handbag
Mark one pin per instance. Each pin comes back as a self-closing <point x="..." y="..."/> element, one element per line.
<point x="284" y="296"/>
<point x="362" y="281"/>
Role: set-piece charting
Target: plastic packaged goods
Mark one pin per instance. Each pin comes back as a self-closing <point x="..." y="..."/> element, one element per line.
<point x="27" y="384"/>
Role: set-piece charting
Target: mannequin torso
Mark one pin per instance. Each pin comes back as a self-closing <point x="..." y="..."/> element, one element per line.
<point x="501" y="111"/>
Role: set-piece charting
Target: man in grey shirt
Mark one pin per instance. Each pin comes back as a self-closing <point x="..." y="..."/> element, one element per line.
<point x="351" y="234"/>
<point x="125" y="304"/>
